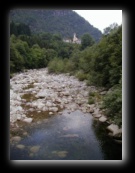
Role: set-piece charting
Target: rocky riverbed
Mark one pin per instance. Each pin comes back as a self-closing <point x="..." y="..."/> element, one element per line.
<point x="36" y="95"/>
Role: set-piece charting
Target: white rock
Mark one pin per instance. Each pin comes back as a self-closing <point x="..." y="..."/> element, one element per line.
<point x="66" y="93"/>
<point x="19" y="108"/>
<point x="102" y="119"/>
<point x="34" y="149"/>
<point x="96" y="115"/>
<point x="49" y="104"/>
<point x="23" y="115"/>
<point x="114" y="129"/>
<point x="19" y="117"/>
<point x="20" y="146"/>
<point x="45" y="108"/>
<point x="40" y="106"/>
<point x="53" y="109"/>
<point x="28" y="120"/>
<point x="43" y="93"/>
<point x="16" y="138"/>
<point x="50" y="113"/>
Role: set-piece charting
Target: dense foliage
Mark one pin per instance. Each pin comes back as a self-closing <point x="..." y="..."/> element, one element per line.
<point x="100" y="64"/>
<point x="66" y="22"/>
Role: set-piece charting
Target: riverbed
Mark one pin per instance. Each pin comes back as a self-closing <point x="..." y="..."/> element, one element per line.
<point x="50" y="119"/>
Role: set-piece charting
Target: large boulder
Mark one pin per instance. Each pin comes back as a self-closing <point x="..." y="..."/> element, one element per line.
<point x="115" y="130"/>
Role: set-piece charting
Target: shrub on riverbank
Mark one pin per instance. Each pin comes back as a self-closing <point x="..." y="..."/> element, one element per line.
<point x="112" y="102"/>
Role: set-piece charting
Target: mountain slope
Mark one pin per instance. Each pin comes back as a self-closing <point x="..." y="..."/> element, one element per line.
<point x="64" y="22"/>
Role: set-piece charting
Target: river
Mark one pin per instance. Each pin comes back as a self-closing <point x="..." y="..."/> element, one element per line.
<point x="74" y="136"/>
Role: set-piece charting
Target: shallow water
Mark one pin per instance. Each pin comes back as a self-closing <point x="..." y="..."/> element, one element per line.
<point x="74" y="136"/>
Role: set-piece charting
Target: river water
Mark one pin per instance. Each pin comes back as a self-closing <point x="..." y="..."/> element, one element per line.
<point x="66" y="136"/>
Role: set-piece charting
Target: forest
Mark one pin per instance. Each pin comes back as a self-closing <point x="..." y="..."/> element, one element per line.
<point x="65" y="22"/>
<point x="99" y="63"/>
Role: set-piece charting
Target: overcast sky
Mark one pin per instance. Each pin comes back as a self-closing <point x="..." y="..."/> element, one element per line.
<point x="101" y="18"/>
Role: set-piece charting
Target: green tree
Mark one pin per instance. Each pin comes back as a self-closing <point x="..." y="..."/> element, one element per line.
<point x="16" y="60"/>
<point x="86" y="40"/>
<point x="113" y="27"/>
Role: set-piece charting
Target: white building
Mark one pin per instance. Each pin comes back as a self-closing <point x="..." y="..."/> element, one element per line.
<point x="75" y="40"/>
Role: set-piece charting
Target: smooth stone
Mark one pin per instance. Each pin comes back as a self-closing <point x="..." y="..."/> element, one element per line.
<point x="16" y="138"/>
<point x="50" y="113"/>
<point x="96" y="115"/>
<point x="25" y="133"/>
<point x="53" y="109"/>
<point x="34" y="149"/>
<point x="60" y="154"/>
<point x="20" y="146"/>
<point x="28" y="120"/>
<point x="102" y="119"/>
<point x="114" y="129"/>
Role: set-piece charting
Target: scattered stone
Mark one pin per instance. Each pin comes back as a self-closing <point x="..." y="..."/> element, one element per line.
<point x="53" y="109"/>
<point x="118" y="134"/>
<point x="66" y="93"/>
<point x="114" y="129"/>
<point x="95" y="115"/>
<point x="28" y="120"/>
<point x="34" y="149"/>
<point x="50" y="113"/>
<point x="60" y="154"/>
<point x="91" y="110"/>
<point x="43" y="94"/>
<point x="16" y="139"/>
<point x="49" y="104"/>
<point x="25" y="133"/>
<point x="20" y="146"/>
<point x="102" y="118"/>
<point x="23" y="116"/>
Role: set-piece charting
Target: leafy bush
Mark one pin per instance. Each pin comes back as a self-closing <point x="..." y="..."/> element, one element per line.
<point x="92" y="94"/>
<point x="81" y="76"/>
<point x="112" y="102"/>
<point x="56" y="66"/>
<point x="91" y="101"/>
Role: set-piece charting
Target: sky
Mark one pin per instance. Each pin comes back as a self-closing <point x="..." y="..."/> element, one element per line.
<point x="101" y="18"/>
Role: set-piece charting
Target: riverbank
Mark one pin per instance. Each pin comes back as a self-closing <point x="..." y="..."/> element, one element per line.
<point x="36" y="95"/>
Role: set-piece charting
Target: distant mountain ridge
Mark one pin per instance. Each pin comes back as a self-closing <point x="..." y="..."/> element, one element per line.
<point x="64" y="22"/>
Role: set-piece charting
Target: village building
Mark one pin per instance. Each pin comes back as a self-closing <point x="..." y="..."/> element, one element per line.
<point x="75" y="40"/>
